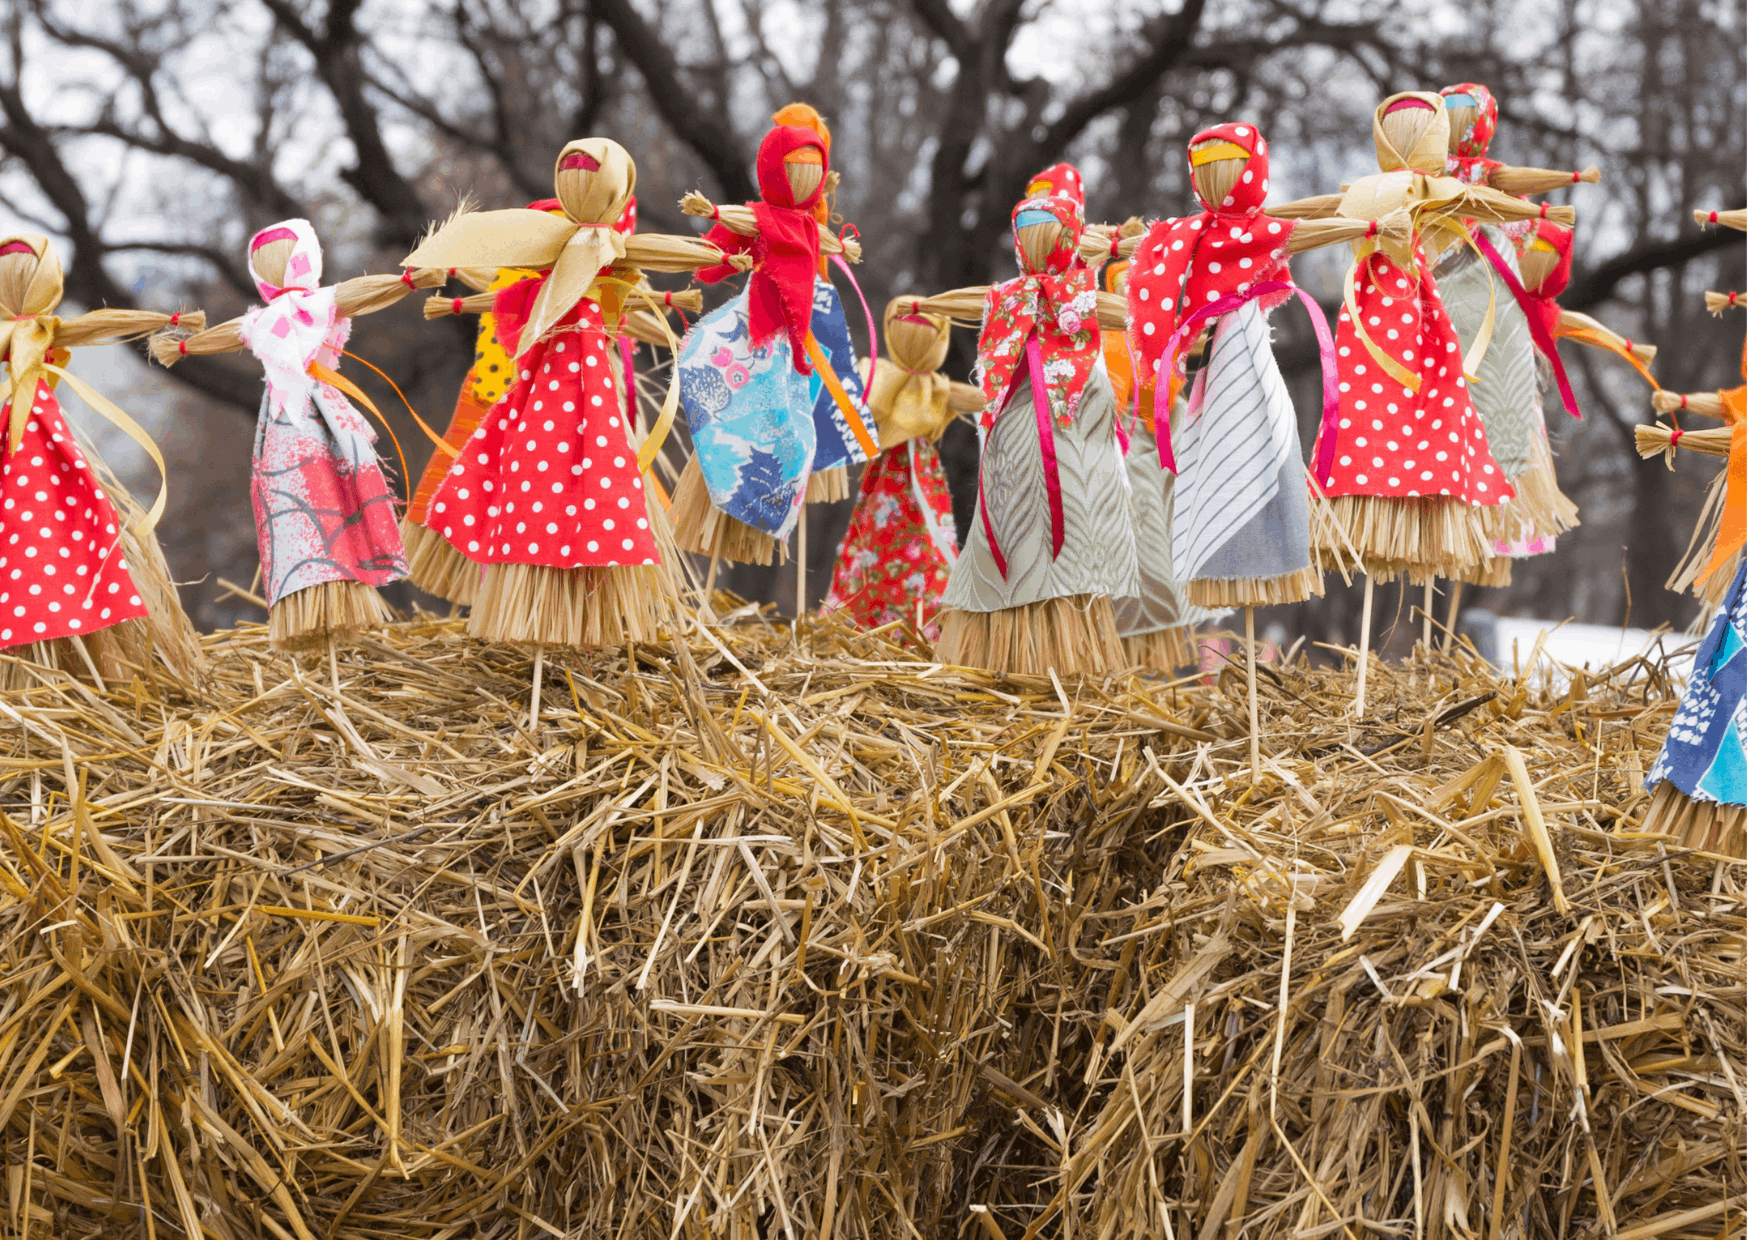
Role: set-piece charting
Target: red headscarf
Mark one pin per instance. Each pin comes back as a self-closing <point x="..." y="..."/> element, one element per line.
<point x="786" y="249"/>
<point x="1058" y="305"/>
<point x="1185" y="264"/>
<point x="1541" y="302"/>
<point x="1059" y="181"/>
<point x="1469" y="163"/>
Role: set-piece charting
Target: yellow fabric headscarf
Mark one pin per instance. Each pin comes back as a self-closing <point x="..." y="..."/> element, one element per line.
<point x="909" y="393"/>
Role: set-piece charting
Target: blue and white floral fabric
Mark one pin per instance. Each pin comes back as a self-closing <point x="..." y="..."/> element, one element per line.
<point x="1703" y="753"/>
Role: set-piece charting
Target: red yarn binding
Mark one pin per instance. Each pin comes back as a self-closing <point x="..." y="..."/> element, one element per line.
<point x="407" y="276"/>
<point x="1371" y="230"/>
<point x="1544" y="214"/>
<point x="177" y="317"/>
<point x="182" y="347"/>
<point x="1713" y="218"/>
<point x="1675" y="436"/>
<point x="455" y="306"/>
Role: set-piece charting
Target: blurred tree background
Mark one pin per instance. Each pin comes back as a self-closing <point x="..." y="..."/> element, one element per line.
<point x="151" y="137"/>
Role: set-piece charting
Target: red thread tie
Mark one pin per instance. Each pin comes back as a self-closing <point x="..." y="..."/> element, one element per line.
<point x="1713" y="218"/>
<point x="715" y="212"/>
<point x="1675" y="436"/>
<point x="452" y="273"/>
<point x="182" y="347"/>
<point x="1544" y="214"/>
<point x="668" y="300"/>
<point x="407" y="276"/>
<point x="177" y="317"/>
<point x="1371" y="230"/>
<point x="1629" y="344"/>
<point x="1732" y="301"/>
<point x="1684" y="400"/>
<point x="1577" y="177"/>
<point x="455" y="306"/>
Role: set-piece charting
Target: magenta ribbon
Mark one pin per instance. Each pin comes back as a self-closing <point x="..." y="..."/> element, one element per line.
<point x="873" y="336"/>
<point x="1046" y="448"/>
<point x="1538" y="329"/>
<point x="1226" y="305"/>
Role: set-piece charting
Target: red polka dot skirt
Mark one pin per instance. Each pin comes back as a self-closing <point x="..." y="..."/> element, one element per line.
<point x="1396" y="441"/>
<point x="61" y="568"/>
<point x="550" y="476"/>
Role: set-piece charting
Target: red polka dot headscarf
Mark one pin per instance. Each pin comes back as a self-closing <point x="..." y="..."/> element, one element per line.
<point x="1468" y="160"/>
<point x="1185" y="264"/>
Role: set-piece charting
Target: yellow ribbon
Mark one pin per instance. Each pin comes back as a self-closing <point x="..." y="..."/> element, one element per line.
<point x="102" y="405"/>
<point x="852" y="415"/>
<point x="1393" y="368"/>
<point x="26" y="341"/>
<point x="1219" y="150"/>
<point x="340" y="382"/>
<point x="664" y="423"/>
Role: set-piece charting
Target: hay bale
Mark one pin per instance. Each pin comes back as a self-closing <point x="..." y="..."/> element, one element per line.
<point x="746" y="939"/>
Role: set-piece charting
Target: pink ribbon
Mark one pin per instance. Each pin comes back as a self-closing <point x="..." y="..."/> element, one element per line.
<point x="1046" y="448"/>
<point x="873" y="336"/>
<point x="1538" y="328"/>
<point x="1226" y="305"/>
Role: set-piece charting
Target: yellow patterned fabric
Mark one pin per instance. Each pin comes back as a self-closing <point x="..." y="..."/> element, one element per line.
<point x="492" y="367"/>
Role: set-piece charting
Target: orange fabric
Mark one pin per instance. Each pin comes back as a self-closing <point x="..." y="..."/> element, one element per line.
<point x="1117" y="363"/>
<point x="469" y="413"/>
<point x="1733" y="528"/>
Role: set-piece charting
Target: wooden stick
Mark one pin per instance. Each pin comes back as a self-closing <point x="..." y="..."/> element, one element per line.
<point x="1426" y="620"/>
<point x="1359" y="695"/>
<point x="333" y="664"/>
<point x="534" y="696"/>
<point x="801" y="566"/>
<point x="710" y="582"/>
<point x="1451" y="622"/>
<point x="1250" y="645"/>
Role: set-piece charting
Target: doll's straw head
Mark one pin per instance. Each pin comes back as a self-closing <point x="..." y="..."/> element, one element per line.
<point x="285" y="255"/>
<point x="792" y="166"/>
<point x="1546" y="260"/>
<point x="30" y="275"/>
<point x="1046" y="234"/>
<point x="1474" y="116"/>
<point x="806" y="116"/>
<point x="1229" y="168"/>
<point x="916" y="340"/>
<point x="1412" y="130"/>
<point x="593" y="180"/>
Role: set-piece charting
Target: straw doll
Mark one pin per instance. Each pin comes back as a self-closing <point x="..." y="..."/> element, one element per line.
<point x="83" y="586"/>
<point x="1053" y="541"/>
<point x="836" y="447"/>
<point x="438" y="567"/>
<point x="324" y="513"/>
<point x="1412" y="484"/>
<point x="747" y="370"/>
<point x="1157" y="626"/>
<point x="901" y="544"/>
<point x="549" y="494"/>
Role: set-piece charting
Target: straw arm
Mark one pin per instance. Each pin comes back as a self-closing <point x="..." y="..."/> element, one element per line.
<point x="476" y="303"/>
<point x="964" y="398"/>
<point x="1128" y="245"/>
<point x="1511" y="180"/>
<point x="741" y="219"/>
<point x="1571" y="321"/>
<point x="1312" y="234"/>
<point x="1657" y="439"/>
<point x="645" y="327"/>
<point x="1717" y="303"/>
<point x="169" y="347"/>
<point x="1489" y="206"/>
<point x="1097" y="244"/>
<point x="1705" y="404"/>
<point x="1320" y="206"/>
<point x="1737" y="219"/>
<point x="959" y="303"/>
<point x="363" y="295"/>
<point x="668" y="253"/>
<point x="110" y="326"/>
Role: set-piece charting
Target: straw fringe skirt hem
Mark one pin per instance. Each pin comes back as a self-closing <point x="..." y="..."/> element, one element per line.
<point x="828" y="486"/>
<point x="436" y="567"/>
<point x="1392" y="536"/>
<point x="1221" y="592"/>
<point x="312" y="616"/>
<point x="1705" y="825"/>
<point x="116" y="653"/>
<point x="1162" y="650"/>
<point x="704" y="529"/>
<point x="581" y="607"/>
<point x="1071" y="635"/>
